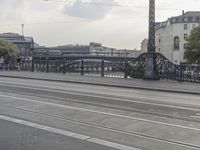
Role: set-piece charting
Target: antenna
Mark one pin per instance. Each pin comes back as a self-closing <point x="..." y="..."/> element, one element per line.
<point x="22" y="29"/>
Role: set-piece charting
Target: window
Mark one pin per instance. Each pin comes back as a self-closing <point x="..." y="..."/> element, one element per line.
<point x="185" y="37"/>
<point x="176" y="43"/>
<point x="185" y="26"/>
<point x="190" y="19"/>
<point x="185" y="19"/>
<point x="198" y="19"/>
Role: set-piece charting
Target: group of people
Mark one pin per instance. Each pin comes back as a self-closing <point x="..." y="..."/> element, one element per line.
<point x="8" y="63"/>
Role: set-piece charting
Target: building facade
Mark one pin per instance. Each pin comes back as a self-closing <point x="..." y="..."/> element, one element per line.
<point x="93" y="49"/>
<point x="98" y="49"/>
<point x="144" y="46"/>
<point x="25" y="45"/>
<point x="129" y="53"/>
<point x="171" y="35"/>
<point x="65" y="50"/>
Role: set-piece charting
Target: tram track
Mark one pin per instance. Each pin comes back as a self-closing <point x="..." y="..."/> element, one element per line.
<point x="105" y="105"/>
<point x="179" y="143"/>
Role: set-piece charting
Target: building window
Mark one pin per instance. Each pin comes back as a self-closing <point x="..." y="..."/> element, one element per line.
<point x="185" y="26"/>
<point x="185" y="37"/>
<point x="185" y="19"/>
<point x="198" y="19"/>
<point x="190" y="19"/>
<point x="176" y="43"/>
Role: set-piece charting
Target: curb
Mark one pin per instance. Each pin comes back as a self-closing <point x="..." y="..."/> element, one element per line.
<point x="104" y="84"/>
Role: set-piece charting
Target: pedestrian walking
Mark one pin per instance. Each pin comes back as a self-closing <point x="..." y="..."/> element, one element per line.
<point x="1" y="63"/>
<point x="18" y="63"/>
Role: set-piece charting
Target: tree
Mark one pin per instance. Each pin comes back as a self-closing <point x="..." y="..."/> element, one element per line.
<point x="7" y="48"/>
<point x="192" y="52"/>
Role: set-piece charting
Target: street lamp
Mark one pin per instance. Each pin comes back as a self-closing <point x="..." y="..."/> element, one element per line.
<point x="151" y="41"/>
<point x="150" y="60"/>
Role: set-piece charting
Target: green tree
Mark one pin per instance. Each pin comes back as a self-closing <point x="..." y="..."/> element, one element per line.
<point x="7" y="48"/>
<point x="192" y="52"/>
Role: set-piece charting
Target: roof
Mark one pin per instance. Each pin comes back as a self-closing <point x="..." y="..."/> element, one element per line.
<point x="15" y="38"/>
<point x="188" y="17"/>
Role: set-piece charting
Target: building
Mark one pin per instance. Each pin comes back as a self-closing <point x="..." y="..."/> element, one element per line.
<point x="24" y="44"/>
<point x="144" y="46"/>
<point x="98" y="49"/>
<point x="93" y="49"/>
<point x="171" y="35"/>
<point x="63" y="50"/>
<point x="129" y="53"/>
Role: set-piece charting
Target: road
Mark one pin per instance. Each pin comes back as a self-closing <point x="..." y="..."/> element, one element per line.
<point x="54" y="115"/>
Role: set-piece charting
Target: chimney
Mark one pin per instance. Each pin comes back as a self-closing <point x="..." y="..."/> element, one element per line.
<point x="183" y="12"/>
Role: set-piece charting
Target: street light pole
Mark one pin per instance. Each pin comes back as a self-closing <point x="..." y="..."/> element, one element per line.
<point x="151" y="41"/>
<point x="150" y="60"/>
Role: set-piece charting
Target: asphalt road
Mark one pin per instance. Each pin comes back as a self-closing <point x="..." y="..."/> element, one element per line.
<point x="20" y="137"/>
<point x="54" y="115"/>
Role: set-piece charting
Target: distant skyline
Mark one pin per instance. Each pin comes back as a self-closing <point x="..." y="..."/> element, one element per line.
<point x="114" y="23"/>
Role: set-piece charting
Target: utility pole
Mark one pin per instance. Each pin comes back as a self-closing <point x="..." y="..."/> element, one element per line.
<point x="150" y="61"/>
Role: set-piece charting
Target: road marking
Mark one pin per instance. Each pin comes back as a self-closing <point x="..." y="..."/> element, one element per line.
<point x="47" y="128"/>
<point x="69" y="134"/>
<point x="111" y="144"/>
<point x="198" y="117"/>
<point x="112" y="98"/>
<point x="104" y="113"/>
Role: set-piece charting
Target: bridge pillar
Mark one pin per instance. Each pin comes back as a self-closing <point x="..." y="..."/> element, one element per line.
<point x="150" y="60"/>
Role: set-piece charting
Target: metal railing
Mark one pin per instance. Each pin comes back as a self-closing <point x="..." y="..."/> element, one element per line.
<point x="122" y="68"/>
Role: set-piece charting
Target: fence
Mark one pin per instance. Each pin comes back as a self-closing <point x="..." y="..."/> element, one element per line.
<point x="118" y="68"/>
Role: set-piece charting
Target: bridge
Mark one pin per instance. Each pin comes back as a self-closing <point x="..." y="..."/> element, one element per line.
<point x="101" y="103"/>
<point x="120" y="67"/>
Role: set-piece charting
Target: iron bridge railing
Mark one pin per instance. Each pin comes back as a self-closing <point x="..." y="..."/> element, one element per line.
<point x="119" y="68"/>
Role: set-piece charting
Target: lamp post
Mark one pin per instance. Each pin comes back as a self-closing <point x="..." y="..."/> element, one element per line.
<point x="150" y="60"/>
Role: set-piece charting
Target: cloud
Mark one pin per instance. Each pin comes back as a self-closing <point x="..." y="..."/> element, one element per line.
<point x="89" y="10"/>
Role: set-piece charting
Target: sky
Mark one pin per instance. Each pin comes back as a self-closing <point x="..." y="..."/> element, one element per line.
<point x="121" y="24"/>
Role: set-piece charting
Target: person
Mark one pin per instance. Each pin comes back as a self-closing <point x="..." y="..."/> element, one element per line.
<point x="18" y="62"/>
<point x="1" y="63"/>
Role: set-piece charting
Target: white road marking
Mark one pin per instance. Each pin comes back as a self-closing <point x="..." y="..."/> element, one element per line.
<point x="69" y="134"/>
<point x="198" y="117"/>
<point x="43" y="127"/>
<point x="112" y="98"/>
<point x="104" y="113"/>
<point x="111" y="144"/>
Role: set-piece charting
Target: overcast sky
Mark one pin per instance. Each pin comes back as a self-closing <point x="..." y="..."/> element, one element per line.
<point x="114" y="23"/>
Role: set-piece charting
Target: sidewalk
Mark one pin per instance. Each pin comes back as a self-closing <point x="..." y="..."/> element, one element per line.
<point x="167" y="86"/>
